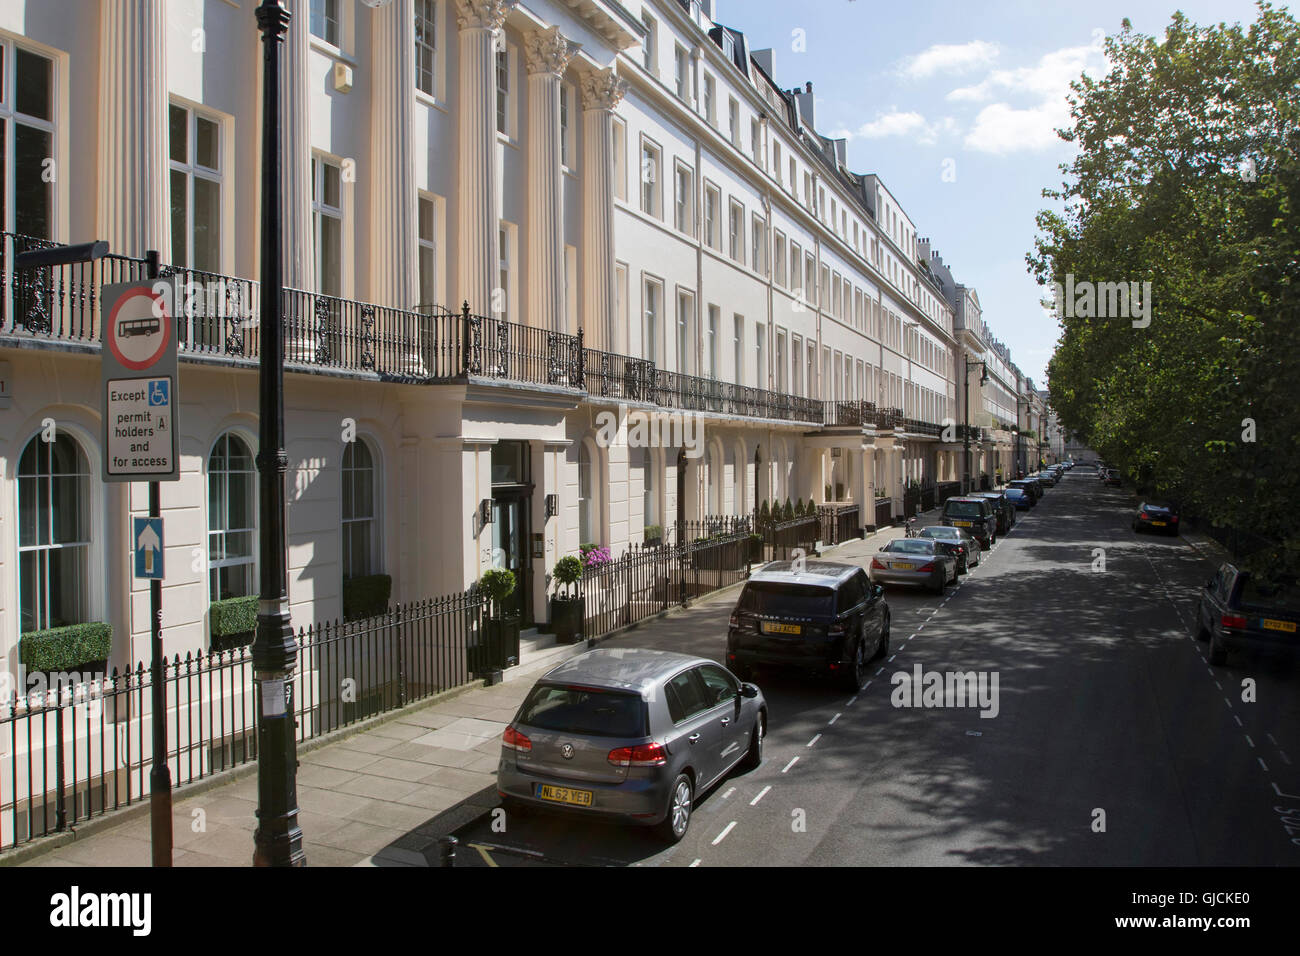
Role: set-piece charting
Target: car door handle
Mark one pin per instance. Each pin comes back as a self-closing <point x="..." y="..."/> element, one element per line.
<point x="725" y="721"/>
<point x="694" y="738"/>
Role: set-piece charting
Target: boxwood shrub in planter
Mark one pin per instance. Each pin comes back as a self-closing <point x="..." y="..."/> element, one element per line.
<point x="502" y="629"/>
<point x="77" y="647"/>
<point x="232" y="622"/>
<point x="654" y="535"/>
<point x="366" y="596"/>
<point x="568" y="610"/>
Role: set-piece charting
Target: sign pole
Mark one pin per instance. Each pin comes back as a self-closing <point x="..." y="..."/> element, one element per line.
<point x="160" y="774"/>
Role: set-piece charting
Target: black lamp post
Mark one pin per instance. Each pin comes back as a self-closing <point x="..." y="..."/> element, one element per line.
<point x="965" y="431"/>
<point x="278" y="840"/>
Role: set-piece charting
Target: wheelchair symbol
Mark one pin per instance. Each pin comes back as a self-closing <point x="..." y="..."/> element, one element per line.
<point x="158" y="392"/>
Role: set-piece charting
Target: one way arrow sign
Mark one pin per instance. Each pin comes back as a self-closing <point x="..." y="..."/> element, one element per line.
<point x="147" y="533"/>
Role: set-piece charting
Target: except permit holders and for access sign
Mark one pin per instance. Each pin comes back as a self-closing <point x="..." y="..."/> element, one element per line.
<point x="140" y="381"/>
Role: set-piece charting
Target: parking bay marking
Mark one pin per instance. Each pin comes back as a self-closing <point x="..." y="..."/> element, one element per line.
<point x="761" y="794"/>
<point x="723" y="835"/>
<point x="793" y="761"/>
<point x="814" y="740"/>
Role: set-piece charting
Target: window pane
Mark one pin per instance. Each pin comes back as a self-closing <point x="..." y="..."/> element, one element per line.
<point x="332" y="186"/>
<point x="331" y="256"/>
<point x="70" y="497"/>
<point x="207" y="143"/>
<point x="426" y="220"/>
<point x="32" y="196"/>
<point x="29" y="585"/>
<point x="178" y="132"/>
<point x="35" y="85"/>
<point x="428" y="295"/>
<point x="67" y="584"/>
<point x="180" y="244"/>
<point x="207" y="224"/>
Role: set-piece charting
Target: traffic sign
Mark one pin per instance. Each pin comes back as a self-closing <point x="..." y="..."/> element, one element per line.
<point x="147" y="543"/>
<point x="140" y="381"/>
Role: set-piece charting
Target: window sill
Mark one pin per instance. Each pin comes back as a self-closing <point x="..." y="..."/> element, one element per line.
<point x="325" y="48"/>
<point x="428" y="99"/>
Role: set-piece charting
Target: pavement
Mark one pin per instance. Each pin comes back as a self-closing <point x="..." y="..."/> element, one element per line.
<point x="380" y="796"/>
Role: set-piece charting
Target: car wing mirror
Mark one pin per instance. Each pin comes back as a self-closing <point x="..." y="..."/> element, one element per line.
<point x="748" y="691"/>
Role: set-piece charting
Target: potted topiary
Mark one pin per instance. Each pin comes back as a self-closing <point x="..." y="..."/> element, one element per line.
<point x="568" y="611"/>
<point x="502" y="626"/>
<point x="654" y="535"/>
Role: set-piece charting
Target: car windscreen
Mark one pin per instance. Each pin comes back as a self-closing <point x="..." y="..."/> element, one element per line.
<point x="947" y="534"/>
<point x="911" y="545"/>
<point x="962" y="509"/>
<point x="787" y="600"/>
<point x="1270" y="595"/>
<point x="1015" y="494"/>
<point x="584" y="710"/>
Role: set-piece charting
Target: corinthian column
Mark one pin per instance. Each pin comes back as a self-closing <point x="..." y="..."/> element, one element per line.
<point x="478" y="191"/>
<point x="602" y="91"/>
<point x="133" y="210"/>
<point x="297" y="239"/>
<point x="394" y="267"/>
<point x="547" y="54"/>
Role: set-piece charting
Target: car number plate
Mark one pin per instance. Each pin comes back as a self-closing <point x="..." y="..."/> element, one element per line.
<point x="579" y="798"/>
<point x="903" y="566"/>
<point x="1272" y="625"/>
<point x="772" y="627"/>
<point x="961" y="524"/>
<point x="1159" y="524"/>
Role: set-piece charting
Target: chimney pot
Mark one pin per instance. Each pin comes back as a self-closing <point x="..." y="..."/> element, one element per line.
<point x="808" y="88"/>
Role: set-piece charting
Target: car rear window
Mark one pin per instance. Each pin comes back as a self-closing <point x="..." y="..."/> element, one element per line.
<point x="947" y="534"/>
<point x="912" y="545"/>
<point x="1282" y="596"/>
<point x="793" y="600"/>
<point x="584" y="710"/>
<point x="962" y="509"/>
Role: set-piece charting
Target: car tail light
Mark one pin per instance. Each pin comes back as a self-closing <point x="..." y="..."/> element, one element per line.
<point x="838" y="629"/>
<point x="514" y="740"/>
<point x="642" y="755"/>
<point x="1174" y="518"/>
<point x="875" y="563"/>
<point x="735" y="620"/>
<point x="926" y="567"/>
<point x="1232" y="620"/>
<point x="1143" y="514"/>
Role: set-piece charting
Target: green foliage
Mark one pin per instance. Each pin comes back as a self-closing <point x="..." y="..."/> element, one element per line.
<point x="1187" y="177"/>
<point x="233" y="616"/>
<point x="65" y="648"/>
<point x="366" y="596"/>
<point x="567" y="571"/>
<point x="788" y="513"/>
<point x="498" y="584"/>
<point x="653" y="532"/>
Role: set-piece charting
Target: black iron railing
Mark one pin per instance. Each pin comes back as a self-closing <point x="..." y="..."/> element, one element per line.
<point x="884" y="512"/>
<point x="839" y="523"/>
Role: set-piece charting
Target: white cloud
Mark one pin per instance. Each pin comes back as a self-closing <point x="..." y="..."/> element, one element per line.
<point x="949" y="58"/>
<point x="893" y="123"/>
<point x="1001" y="129"/>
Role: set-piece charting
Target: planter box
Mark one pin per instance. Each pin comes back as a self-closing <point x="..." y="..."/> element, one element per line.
<point x="567" y="617"/>
<point x="497" y="648"/>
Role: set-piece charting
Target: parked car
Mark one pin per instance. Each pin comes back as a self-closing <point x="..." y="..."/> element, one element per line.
<point x="1238" y="610"/>
<point x="914" y="561"/>
<point x="975" y="515"/>
<point x="962" y="544"/>
<point x="827" y="619"/>
<point x="632" y="735"/>
<point x="1030" y="487"/>
<point x="1003" y="509"/>
<point x="1022" y="500"/>
<point x="1155" y="517"/>
<point x="1111" y="477"/>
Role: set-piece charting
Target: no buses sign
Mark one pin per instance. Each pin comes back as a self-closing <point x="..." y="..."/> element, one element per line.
<point x="139" y="375"/>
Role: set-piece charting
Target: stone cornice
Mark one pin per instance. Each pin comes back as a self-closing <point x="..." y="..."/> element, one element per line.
<point x="482" y="14"/>
<point x="548" y="51"/>
<point x="602" y="89"/>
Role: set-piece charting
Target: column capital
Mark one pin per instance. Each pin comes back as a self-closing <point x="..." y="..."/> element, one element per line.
<point x="602" y="89"/>
<point x="548" y="51"/>
<point x="483" y="14"/>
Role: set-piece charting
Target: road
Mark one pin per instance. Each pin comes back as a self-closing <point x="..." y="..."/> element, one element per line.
<point x="1114" y="742"/>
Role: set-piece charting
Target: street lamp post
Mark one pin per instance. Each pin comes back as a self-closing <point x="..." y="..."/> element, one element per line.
<point x="965" y="431"/>
<point x="278" y="840"/>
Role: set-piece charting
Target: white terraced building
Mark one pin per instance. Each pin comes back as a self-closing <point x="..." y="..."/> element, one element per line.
<point x="633" y="208"/>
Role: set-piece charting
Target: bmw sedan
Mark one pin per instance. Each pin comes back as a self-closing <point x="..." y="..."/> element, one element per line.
<point x="922" y="561"/>
<point x="966" y="548"/>
<point x="630" y="735"/>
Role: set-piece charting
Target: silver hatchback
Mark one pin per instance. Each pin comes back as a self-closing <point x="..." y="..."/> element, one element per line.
<point x="634" y="735"/>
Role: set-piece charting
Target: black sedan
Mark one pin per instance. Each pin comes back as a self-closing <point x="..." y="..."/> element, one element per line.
<point x="1153" y="517"/>
<point x="957" y="542"/>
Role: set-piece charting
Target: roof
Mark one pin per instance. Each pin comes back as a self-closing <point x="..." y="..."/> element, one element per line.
<point x="627" y="669"/>
<point x="815" y="573"/>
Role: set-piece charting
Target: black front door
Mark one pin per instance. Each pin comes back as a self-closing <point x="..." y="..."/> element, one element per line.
<point x="510" y="538"/>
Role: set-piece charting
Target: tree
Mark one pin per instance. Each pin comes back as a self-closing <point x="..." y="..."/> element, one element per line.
<point x="1187" y="179"/>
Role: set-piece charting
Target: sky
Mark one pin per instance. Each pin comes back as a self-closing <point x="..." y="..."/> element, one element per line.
<point x="954" y="104"/>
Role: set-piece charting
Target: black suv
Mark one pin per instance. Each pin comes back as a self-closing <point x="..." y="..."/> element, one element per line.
<point x="1237" y="610"/>
<point x="975" y="515"/>
<point x="824" y="618"/>
<point x="1003" y="509"/>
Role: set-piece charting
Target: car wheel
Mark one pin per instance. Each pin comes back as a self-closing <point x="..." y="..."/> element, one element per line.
<point x="964" y="566"/>
<point x="857" y="673"/>
<point x="680" y="797"/>
<point x="1202" y="634"/>
<point x="754" y="756"/>
<point x="1218" y="653"/>
<point x="883" y="649"/>
<point x="940" y="583"/>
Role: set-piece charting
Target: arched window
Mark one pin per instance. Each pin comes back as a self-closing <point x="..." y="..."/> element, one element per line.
<point x="586" y="504"/>
<point x="360" y="516"/>
<point x="232" y="519"/>
<point x="53" y="534"/>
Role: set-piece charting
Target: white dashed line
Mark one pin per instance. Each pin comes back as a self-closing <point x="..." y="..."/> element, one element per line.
<point x="814" y="740"/>
<point x="854" y="699"/>
<point x="723" y="835"/>
<point x="728" y="793"/>
<point x="1238" y="720"/>
<point x="1249" y="741"/>
<point x="832" y="720"/>
<point x="696" y="862"/>
<point x="793" y="761"/>
<point x="1284" y="756"/>
<point x="882" y="670"/>
<point x="1218" y="685"/>
<point x="1262" y="764"/>
<point x="1228" y="702"/>
<point x="761" y="794"/>
<point x="866" y="685"/>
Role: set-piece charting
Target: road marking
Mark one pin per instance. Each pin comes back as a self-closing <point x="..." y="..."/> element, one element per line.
<point x="1218" y="685"/>
<point x="814" y="740"/>
<point x="920" y="628"/>
<point x="1288" y="796"/>
<point x="892" y="656"/>
<point x="793" y="761"/>
<point x="1270" y="739"/>
<point x="723" y="835"/>
<point x="853" y="700"/>
<point x="482" y="851"/>
<point x="1228" y="702"/>
<point x="728" y="793"/>
<point x="882" y="670"/>
<point x="1284" y="756"/>
<point x="832" y="720"/>
<point x="761" y="794"/>
<point x="695" y="862"/>
<point x="1262" y="764"/>
<point x="1249" y="741"/>
<point x="1238" y="720"/>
